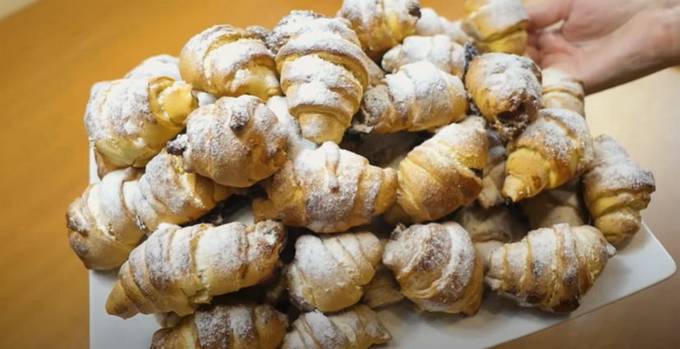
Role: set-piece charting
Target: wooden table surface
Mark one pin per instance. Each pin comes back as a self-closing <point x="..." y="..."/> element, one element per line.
<point x="52" y="51"/>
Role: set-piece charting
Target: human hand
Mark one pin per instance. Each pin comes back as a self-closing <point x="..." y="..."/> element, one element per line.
<point x="606" y="42"/>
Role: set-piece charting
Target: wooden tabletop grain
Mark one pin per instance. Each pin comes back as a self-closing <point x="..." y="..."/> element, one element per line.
<point x="51" y="52"/>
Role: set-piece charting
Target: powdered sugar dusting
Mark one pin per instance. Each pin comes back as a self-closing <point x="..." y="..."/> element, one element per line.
<point x="189" y="266"/>
<point x="490" y="20"/>
<point x="501" y="82"/>
<point x="430" y="23"/>
<point x="417" y="97"/>
<point x="552" y="259"/>
<point x="381" y="24"/>
<point x="155" y="66"/>
<point x="613" y="169"/>
<point x="335" y="174"/>
<point x="356" y="327"/>
<point x="439" y="50"/>
<point x="433" y="263"/>
<point x="328" y="273"/>
<point x="222" y="137"/>
<point x="290" y="126"/>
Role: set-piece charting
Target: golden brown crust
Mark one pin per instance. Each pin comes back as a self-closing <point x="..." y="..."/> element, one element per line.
<point x="381" y="24"/>
<point x="329" y="272"/>
<point x="327" y="190"/>
<point x="551" y="268"/>
<point x="355" y="328"/>
<point x="437" y="267"/>
<point x="439" y="175"/>
<point x="234" y="326"/>
<point x="431" y="23"/>
<point x="236" y="142"/>
<point x="176" y="269"/>
<point x="559" y="205"/>
<point x="497" y="25"/>
<point x="112" y="216"/>
<point x="323" y="73"/>
<point x="554" y="149"/>
<point x="560" y="90"/>
<point x="383" y="290"/>
<point x="439" y="50"/>
<point x="616" y="189"/>
<point x="494" y="173"/>
<point x="228" y="61"/>
<point x="417" y="97"/>
<point x="507" y="91"/>
<point x="498" y="223"/>
<point x="130" y="120"/>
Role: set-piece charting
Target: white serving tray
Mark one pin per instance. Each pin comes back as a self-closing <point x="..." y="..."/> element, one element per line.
<point x="643" y="263"/>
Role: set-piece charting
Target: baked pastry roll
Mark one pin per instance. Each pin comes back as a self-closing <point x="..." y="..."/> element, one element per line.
<point x="507" y="91"/>
<point x="560" y="90"/>
<point x="493" y="174"/>
<point x="559" y="205"/>
<point x="329" y="272"/>
<point x="431" y="23"/>
<point x="112" y="216"/>
<point x="165" y="65"/>
<point x="417" y="97"/>
<point x="231" y="326"/>
<point x="551" y="268"/>
<point x="554" y="149"/>
<point x="496" y="223"/>
<point x="296" y="142"/>
<point x="441" y="174"/>
<point x="497" y="25"/>
<point x="327" y="190"/>
<point x="177" y="269"/>
<point x="439" y="50"/>
<point x="355" y="328"/>
<point x="237" y="142"/>
<point x="130" y="120"/>
<point x="324" y="73"/>
<point x="381" y="24"/>
<point x="228" y="61"/>
<point x="437" y="267"/>
<point x="616" y="189"/>
<point x="383" y="290"/>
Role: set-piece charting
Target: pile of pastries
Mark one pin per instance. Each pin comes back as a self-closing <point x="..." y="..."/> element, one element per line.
<point x="385" y="155"/>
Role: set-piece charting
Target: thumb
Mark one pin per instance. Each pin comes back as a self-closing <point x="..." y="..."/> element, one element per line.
<point x="547" y="12"/>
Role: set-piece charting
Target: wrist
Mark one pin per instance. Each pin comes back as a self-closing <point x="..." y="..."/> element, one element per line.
<point x="665" y="34"/>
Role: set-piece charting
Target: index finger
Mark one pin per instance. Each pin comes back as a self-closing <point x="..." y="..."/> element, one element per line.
<point x="547" y="13"/>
